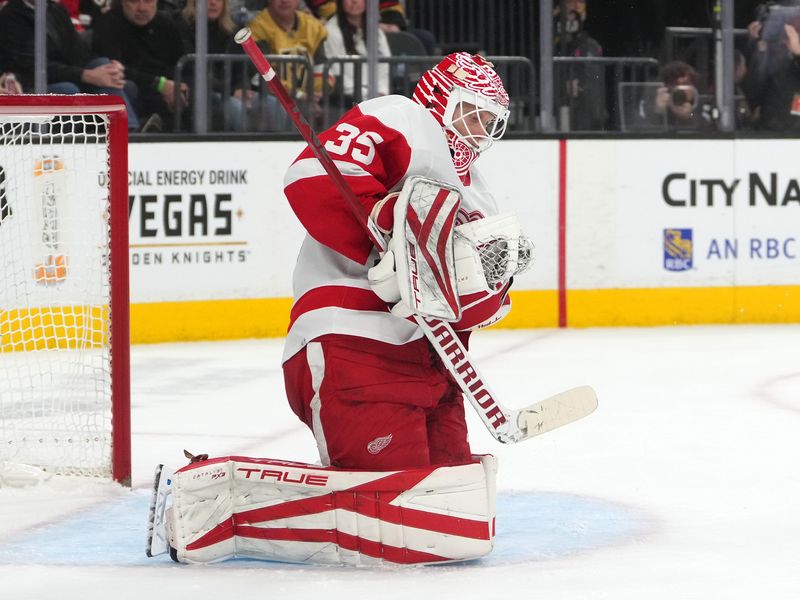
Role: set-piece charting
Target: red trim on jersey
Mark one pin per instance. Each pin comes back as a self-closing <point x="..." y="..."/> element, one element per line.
<point x="384" y="157"/>
<point x="481" y="312"/>
<point x="422" y="231"/>
<point x="339" y="296"/>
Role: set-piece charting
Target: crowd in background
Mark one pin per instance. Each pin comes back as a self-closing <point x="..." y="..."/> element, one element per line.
<point x="131" y="48"/>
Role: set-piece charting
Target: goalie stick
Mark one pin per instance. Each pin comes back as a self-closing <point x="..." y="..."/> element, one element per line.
<point x="506" y="425"/>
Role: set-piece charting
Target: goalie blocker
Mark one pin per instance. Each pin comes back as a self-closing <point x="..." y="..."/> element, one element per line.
<point x="232" y="507"/>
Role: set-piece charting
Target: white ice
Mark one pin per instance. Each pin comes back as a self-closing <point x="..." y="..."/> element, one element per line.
<point x="684" y="484"/>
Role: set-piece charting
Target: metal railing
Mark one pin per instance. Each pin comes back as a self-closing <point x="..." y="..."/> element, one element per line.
<point x="694" y="45"/>
<point x="259" y="112"/>
<point x="587" y="89"/>
<point x="405" y="71"/>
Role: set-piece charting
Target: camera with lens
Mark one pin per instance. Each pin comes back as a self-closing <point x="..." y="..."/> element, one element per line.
<point x="679" y="96"/>
<point x="682" y="94"/>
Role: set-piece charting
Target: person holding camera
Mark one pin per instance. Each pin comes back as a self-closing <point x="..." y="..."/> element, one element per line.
<point x="676" y="102"/>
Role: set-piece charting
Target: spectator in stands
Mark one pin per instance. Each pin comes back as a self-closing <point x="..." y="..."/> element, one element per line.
<point x="581" y="86"/>
<point x="290" y="31"/>
<point x="220" y="26"/>
<point x="393" y="18"/>
<point x="149" y="44"/>
<point x="346" y="36"/>
<point x="8" y="81"/>
<point x="220" y="41"/>
<point x="773" y="80"/>
<point x="74" y="12"/>
<point x="71" y="69"/>
<point x="9" y="84"/>
<point x="91" y="10"/>
<point x="243" y="11"/>
<point x="676" y="103"/>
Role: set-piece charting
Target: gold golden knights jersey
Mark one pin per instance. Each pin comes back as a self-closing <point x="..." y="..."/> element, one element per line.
<point x="305" y="40"/>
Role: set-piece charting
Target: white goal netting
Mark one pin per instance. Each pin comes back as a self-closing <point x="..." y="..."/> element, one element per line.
<point x="55" y="371"/>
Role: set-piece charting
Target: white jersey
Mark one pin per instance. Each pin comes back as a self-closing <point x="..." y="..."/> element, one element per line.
<point x="377" y="145"/>
<point x="334" y="46"/>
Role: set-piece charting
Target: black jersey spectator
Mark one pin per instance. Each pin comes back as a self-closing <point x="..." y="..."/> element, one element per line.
<point x="9" y="84"/>
<point x="581" y="85"/>
<point x="220" y="26"/>
<point x="773" y="80"/>
<point x="149" y="44"/>
<point x="220" y="41"/>
<point x="71" y="68"/>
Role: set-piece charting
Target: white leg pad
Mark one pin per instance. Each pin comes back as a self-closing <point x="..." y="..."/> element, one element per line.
<point x="294" y="512"/>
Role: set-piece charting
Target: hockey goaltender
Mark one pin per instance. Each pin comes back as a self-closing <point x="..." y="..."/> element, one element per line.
<point x="376" y="384"/>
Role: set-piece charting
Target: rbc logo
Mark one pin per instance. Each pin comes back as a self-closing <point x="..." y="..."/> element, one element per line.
<point x="678" y="249"/>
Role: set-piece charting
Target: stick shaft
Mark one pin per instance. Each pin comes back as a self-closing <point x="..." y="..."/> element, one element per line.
<point x="500" y="423"/>
<point x="290" y="106"/>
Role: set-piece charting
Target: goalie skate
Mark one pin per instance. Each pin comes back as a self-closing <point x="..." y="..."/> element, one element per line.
<point x="157" y="533"/>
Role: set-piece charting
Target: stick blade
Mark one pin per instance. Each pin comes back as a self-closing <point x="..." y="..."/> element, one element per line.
<point x="556" y="411"/>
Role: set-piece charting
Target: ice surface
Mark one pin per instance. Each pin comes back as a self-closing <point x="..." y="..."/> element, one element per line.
<point x="684" y="484"/>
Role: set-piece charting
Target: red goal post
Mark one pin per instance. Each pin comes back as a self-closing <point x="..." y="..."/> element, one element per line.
<point x="64" y="296"/>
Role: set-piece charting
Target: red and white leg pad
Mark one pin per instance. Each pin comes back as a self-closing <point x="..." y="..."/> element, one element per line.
<point x="285" y="511"/>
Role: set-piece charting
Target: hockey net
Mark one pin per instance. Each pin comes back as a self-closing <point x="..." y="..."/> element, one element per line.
<point x="64" y="344"/>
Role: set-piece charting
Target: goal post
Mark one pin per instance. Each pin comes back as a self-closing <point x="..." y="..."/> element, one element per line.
<point x="64" y="290"/>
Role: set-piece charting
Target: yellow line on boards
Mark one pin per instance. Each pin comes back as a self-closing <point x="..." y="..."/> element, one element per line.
<point x="209" y="320"/>
<point x="683" y="306"/>
<point x="70" y="327"/>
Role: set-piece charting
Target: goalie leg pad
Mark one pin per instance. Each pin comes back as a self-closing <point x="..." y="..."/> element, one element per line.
<point x="294" y="512"/>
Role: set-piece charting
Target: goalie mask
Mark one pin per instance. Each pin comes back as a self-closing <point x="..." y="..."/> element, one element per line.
<point x="467" y="98"/>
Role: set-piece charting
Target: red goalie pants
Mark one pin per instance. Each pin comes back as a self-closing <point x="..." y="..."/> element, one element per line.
<point x="377" y="406"/>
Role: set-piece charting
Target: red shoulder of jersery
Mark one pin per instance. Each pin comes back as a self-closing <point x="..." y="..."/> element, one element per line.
<point x="372" y="156"/>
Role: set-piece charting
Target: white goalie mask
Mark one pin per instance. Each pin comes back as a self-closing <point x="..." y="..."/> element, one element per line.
<point x="467" y="98"/>
<point x="475" y="119"/>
